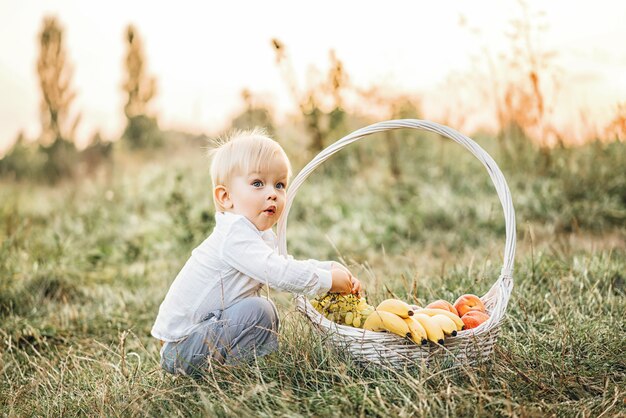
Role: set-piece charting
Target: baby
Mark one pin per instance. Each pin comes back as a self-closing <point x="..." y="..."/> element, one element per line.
<point x="213" y="308"/>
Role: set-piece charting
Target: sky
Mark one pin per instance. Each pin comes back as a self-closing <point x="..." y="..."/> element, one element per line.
<point x="204" y="53"/>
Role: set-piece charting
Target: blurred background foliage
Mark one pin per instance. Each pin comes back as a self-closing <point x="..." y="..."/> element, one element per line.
<point x="570" y="187"/>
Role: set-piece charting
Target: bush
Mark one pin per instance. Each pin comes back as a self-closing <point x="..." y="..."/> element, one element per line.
<point x="53" y="163"/>
<point x="60" y="161"/>
<point x="22" y="162"/>
<point x="143" y="132"/>
<point x="48" y="164"/>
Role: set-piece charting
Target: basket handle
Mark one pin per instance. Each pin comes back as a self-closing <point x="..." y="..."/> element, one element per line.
<point x="492" y="168"/>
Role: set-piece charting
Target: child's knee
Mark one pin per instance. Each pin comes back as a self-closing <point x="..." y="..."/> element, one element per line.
<point x="265" y="312"/>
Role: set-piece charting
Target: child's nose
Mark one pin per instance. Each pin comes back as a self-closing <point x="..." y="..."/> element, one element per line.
<point x="272" y="194"/>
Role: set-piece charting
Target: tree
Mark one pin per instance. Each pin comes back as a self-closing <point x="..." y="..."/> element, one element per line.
<point x="55" y="82"/>
<point x="58" y="127"/>
<point x="141" y="129"/>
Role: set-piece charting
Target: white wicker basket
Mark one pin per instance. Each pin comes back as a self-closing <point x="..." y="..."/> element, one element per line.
<point x="378" y="347"/>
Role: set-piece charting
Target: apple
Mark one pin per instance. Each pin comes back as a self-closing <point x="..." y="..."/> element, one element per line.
<point x="472" y="319"/>
<point x="443" y="304"/>
<point x="468" y="302"/>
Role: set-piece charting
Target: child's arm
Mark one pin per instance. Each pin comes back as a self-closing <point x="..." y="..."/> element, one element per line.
<point x="245" y="251"/>
<point x="339" y="282"/>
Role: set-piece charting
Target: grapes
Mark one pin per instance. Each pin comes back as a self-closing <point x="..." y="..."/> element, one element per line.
<point x="343" y="309"/>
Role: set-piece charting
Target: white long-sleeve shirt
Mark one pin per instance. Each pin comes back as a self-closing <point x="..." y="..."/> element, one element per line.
<point x="233" y="263"/>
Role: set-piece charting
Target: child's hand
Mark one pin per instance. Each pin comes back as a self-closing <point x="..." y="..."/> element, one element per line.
<point x="356" y="284"/>
<point x="342" y="281"/>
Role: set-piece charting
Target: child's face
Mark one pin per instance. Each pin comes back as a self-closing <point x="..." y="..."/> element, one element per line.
<point x="260" y="196"/>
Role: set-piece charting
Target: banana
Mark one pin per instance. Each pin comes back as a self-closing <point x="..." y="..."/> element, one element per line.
<point x="447" y="325"/>
<point x="395" y="306"/>
<point x="435" y="311"/>
<point x="418" y="333"/>
<point x="433" y="330"/>
<point x="386" y="321"/>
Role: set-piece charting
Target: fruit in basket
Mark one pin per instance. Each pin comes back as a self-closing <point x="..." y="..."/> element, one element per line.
<point x="434" y="332"/>
<point x="443" y="304"/>
<point x="433" y="311"/>
<point x="418" y="333"/>
<point x="387" y="321"/>
<point x="395" y="306"/>
<point x="343" y="309"/>
<point x="447" y="325"/>
<point x="468" y="302"/>
<point x="472" y="319"/>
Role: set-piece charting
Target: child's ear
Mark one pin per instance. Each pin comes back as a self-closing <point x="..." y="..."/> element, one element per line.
<point x="221" y="196"/>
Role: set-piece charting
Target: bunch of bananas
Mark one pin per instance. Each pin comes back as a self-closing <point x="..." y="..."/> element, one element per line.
<point x="343" y="309"/>
<point x="420" y="326"/>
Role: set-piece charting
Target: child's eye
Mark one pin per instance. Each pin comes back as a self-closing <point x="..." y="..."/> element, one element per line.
<point x="257" y="183"/>
<point x="280" y="186"/>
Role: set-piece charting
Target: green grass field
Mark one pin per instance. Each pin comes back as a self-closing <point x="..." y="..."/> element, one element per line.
<point x="84" y="266"/>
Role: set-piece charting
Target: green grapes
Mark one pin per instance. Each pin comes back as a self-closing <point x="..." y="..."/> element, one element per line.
<point x="343" y="309"/>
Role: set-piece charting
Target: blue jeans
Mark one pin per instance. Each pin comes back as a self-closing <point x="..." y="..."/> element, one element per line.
<point x="245" y="330"/>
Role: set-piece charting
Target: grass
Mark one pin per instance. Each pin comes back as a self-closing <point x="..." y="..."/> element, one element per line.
<point x="85" y="265"/>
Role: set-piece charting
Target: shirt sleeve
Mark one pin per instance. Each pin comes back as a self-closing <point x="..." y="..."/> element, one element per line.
<point x="245" y="250"/>
<point x="325" y="265"/>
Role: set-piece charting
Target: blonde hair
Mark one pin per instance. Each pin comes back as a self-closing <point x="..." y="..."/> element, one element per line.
<point x="242" y="152"/>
